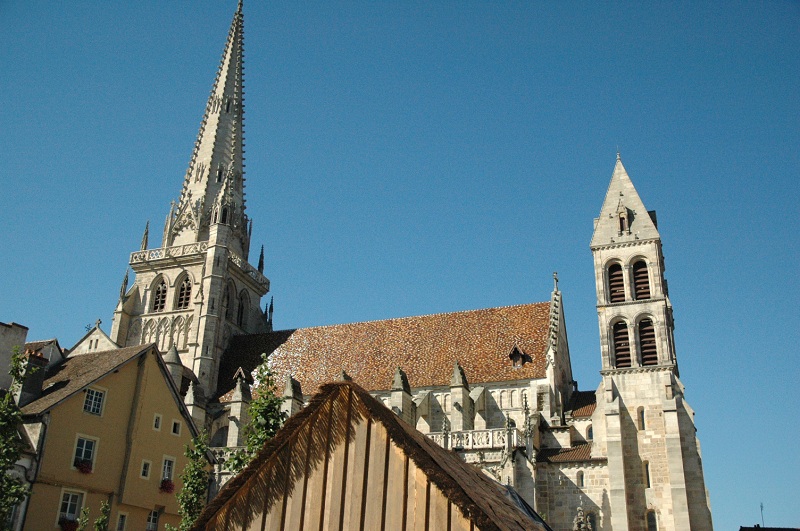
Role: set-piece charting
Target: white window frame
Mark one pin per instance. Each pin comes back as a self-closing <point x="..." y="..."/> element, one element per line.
<point x="176" y="422"/>
<point x="172" y="461"/>
<point x="81" y="500"/>
<point x="122" y="518"/>
<point x="149" y="469"/>
<point x="157" y="422"/>
<point x="96" y="444"/>
<point x="95" y="389"/>
<point x="152" y="526"/>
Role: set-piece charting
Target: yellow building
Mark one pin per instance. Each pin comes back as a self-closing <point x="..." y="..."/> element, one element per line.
<point x="106" y="426"/>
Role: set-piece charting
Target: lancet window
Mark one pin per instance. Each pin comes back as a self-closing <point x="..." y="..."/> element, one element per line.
<point x="160" y="297"/>
<point x="647" y="342"/>
<point x="184" y="294"/>
<point x="641" y="281"/>
<point x="616" y="284"/>
<point x="622" y="345"/>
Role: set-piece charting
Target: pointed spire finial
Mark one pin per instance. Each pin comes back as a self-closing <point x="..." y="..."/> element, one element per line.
<point x="261" y="261"/>
<point x="239" y="8"/>
<point x="555" y="280"/>
<point x="123" y="289"/>
<point x="145" y="235"/>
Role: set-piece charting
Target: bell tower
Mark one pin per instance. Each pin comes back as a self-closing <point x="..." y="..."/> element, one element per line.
<point x="198" y="289"/>
<point x="655" y="468"/>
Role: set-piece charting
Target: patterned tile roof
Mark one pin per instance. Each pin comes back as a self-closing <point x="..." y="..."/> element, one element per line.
<point x="578" y="453"/>
<point x="583" y="403"/>
<point x="76" y="373"/>
<point x="425" y="347"/>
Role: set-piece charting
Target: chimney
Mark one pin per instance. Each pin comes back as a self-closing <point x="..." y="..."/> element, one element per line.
<point x="31" y="388"/>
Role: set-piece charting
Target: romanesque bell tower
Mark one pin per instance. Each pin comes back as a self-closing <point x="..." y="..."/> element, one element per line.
<point x="197" y="289"/>
<point x="655" y="471"/>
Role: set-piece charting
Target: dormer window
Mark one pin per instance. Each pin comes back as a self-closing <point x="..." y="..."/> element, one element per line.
<point x="518" y="358"/>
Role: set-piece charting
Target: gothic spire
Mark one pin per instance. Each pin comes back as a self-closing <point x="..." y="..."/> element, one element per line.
<point x="145" y="236"/>
<point x="217" y="163"/>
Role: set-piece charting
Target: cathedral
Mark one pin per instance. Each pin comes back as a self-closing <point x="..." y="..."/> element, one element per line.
<point x="494" y="386"/>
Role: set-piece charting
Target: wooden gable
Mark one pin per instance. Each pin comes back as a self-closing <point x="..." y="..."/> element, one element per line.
<point x="347" y="462"/>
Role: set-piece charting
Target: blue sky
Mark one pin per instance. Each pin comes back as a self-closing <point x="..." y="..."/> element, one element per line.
<point x="413" y="158"/>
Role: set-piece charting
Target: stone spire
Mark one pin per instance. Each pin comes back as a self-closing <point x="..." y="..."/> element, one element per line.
<point x="623" y="217"/>
<point x="215" y="175"/>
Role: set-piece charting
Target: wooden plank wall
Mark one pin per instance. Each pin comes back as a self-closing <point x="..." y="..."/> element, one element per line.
<point x="366" y="483"/>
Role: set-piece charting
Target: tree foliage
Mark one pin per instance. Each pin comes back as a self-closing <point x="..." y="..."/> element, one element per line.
<point x="194" y="493"/>
<point x="265" y="417"/>
<point x="101" y="522"/>
<point x="12" y="489"/>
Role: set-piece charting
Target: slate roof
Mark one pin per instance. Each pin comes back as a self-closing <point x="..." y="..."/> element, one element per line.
<point x="76" y="373"/>
<point x="36" y="346"/>
<point x="582" y="403"/>
<point x="578" y="453"/>
<point x="479" y="498"/>
<point x="425" y="347"/>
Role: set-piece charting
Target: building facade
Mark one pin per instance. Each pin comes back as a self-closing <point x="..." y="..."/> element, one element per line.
<point x="493" y="385"/>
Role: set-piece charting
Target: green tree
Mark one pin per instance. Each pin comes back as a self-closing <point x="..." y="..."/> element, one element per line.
<point x="101" y="522"/>
<point x="83" y="519"/>
<point x="12" y="490"/>
<point x="194" y="493"/>
<point x="265" y="415"/>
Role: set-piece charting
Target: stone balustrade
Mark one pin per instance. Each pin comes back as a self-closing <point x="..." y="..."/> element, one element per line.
<point x="251" y="271"/>
<point x="168" y="252"/>
<point x="479" y="439"/>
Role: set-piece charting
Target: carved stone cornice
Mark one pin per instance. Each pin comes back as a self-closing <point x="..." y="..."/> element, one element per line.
<point x="622" y="245"/>
<point x="638" y="370"/>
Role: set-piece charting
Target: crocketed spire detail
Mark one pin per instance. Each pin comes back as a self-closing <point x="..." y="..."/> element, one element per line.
<point x="216" y="169"/>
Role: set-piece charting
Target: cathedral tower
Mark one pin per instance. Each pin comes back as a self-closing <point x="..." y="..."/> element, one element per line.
<point x="655" y="472"/>
<point x="197" y="289"/>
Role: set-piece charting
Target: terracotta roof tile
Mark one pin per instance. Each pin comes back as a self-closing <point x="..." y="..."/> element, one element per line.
<point x="425" y="347"/>
<point x="583" y="403"/>
<point x="578" y="453"/>
<point x="75" y="373"/>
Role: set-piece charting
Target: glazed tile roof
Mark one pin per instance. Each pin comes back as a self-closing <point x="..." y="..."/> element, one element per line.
<point x="578" y="453"/>
<point x="76" y="373"/>
<point x="583" y="403"/>
<point x="425" y="347"/>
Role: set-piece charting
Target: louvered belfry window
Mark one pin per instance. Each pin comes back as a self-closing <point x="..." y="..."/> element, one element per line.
<point x="622" y="345"/>
<point x="641" y="281"/>
<point x="160" y="297"/>
<point x="185" y="294"/>
<point x="616" y="284"/>
<point x="647" y="342"/>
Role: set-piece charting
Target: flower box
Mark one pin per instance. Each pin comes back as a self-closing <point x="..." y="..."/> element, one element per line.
<point x="84" y="466"/>
<point x="167" y="486"/>
<point x="68" y="525"/>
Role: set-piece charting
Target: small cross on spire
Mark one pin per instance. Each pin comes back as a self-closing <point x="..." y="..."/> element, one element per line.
<point x="555" y="280"/>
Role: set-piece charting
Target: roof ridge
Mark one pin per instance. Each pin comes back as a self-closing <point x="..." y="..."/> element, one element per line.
<point x="458" y="312"/>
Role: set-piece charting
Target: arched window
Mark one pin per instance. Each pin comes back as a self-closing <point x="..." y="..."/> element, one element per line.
<point x="592" y="519"/>
<point x="580" y="479"/>
<point x="652" y="524"/>
<point x="589" y="433"/>
<point x="640" y="419"/>
<point x="513" y="399"/>
<point x="230" y="302"/>
<point x="241" y="312"/>
<point x="646" y="473"/>
<point x="616" y="284"/>
<point x="647" y="342"/>
<point x="184" y="294"/>
<point x="160" y="297"/>
<point x="622" y="345"/>
<point x="641" y="281"/>
<point x="447" y="402"/>
<point x="503" y="400"/>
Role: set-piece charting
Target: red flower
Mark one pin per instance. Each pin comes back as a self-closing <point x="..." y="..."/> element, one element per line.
<point x="84" y="466"/>
<point x="167" y="486"/>
<point x="68" y="525"/>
